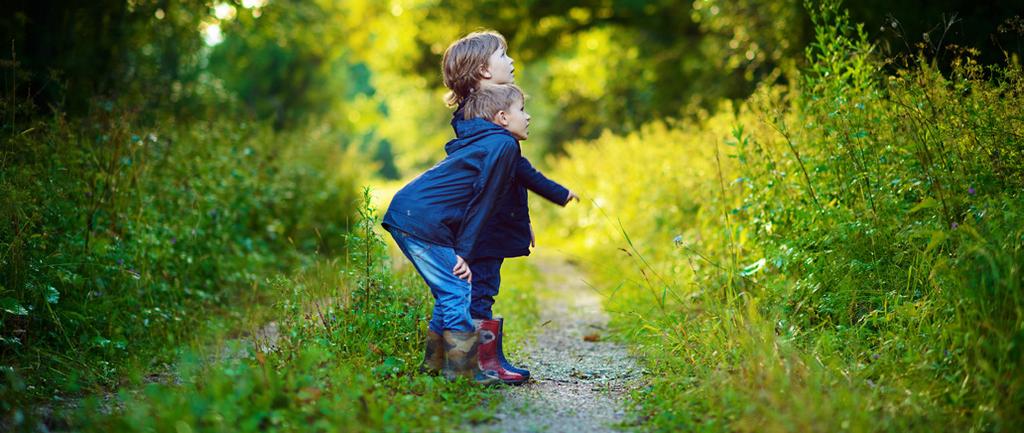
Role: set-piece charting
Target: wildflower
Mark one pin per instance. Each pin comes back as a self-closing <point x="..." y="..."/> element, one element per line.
<point x="970" y="190"/>
<point x="954" y="225"/>
<point x="174" y="240"/>
<point x="678" y="240"/>
<point x="874" y="357"/>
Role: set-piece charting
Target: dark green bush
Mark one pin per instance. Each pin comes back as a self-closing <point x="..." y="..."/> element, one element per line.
<point x="118" y="238"/>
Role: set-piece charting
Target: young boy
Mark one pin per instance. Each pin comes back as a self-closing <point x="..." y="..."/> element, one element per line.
<point x="476" y="60"/>
<point x="437" y="218"/>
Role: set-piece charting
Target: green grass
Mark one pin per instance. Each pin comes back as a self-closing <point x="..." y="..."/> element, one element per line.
<point x="840" y="254"/>
<point x="351" y="332"/>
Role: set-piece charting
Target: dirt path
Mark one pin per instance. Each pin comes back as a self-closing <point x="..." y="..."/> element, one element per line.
<point x="578" y="385"/>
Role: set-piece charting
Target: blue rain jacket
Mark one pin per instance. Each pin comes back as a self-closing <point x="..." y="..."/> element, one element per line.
<point x="450" y="203"/>
<point x="507" y="232"/>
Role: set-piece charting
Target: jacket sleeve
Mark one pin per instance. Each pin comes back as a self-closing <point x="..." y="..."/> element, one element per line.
<point x="496" y="170"/>
<point x="535" y="181"/>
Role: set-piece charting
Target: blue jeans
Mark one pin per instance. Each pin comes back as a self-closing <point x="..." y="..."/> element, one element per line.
<point x="486" y="279"/>
<point x="451" y="294"/>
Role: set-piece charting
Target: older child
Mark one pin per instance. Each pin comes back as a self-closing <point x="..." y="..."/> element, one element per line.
<point x="476" y="60"/>
<point x="438" y="217"/>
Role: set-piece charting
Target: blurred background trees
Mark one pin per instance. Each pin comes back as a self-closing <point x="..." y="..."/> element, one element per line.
<point x="370" y="68"/>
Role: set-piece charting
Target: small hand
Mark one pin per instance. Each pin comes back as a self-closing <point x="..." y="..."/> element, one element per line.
<point x="462" y="270"/>
<point x="572" y="196"/>
<point x="533" y="240"/>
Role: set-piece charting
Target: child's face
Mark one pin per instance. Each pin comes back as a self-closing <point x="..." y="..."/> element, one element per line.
<point x="516" y="120"/>
<point x="499" y="69"/>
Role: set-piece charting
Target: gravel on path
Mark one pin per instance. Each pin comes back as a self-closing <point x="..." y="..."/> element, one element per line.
<point x="577" y="385"/>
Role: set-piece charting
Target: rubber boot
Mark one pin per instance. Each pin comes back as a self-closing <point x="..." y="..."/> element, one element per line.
<point x="490" y="330"/>
<point x="501" y="352"/>
<point x="433" y="355"/>
<point x="461" y="358"/>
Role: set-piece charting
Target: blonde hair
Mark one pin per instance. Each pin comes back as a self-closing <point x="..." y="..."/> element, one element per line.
<point x="462" y="61"/>
<point x="489" y="99"/>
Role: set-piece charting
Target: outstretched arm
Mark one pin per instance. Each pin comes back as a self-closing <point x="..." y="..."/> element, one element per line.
<point x="535" y="181"/>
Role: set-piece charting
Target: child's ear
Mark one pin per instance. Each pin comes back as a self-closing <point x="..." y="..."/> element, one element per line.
<point x="501" y="118"/>
<point x="485" y="73"/>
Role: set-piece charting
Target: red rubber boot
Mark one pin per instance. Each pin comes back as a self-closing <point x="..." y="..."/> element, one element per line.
<point x="501" y="354"/>
<point x="488" y="352"/>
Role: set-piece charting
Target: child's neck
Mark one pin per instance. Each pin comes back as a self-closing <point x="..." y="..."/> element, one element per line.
<point x="484" y="81"/>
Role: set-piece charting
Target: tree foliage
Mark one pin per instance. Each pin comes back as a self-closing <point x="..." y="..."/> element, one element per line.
<point x="371" y="68"/>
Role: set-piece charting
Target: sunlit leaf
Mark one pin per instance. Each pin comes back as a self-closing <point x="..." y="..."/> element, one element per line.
<point x="938" y="237"/>
<point x="12" y="306"/>
<point x="753" y="268"/>
<point x="52" y="295"/>
<point x="99" y="341"/>
<point x="927" y="203"/>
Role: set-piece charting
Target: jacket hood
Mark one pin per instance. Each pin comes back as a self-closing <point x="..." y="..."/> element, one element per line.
<point x="470" y="131"/>
<point x="457" y="115"/>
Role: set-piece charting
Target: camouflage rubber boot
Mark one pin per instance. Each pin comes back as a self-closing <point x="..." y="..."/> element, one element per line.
<point x="461" y="358"/>
<point x="433" y="356"/>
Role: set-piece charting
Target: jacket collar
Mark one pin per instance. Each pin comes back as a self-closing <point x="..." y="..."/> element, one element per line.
<point x="468" y="131"/>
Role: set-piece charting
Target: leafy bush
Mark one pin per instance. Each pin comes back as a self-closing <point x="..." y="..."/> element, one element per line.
<point x="119" y="238"/>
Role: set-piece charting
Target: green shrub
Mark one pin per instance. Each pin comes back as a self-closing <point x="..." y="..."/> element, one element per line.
<point x="119" y="239"/>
